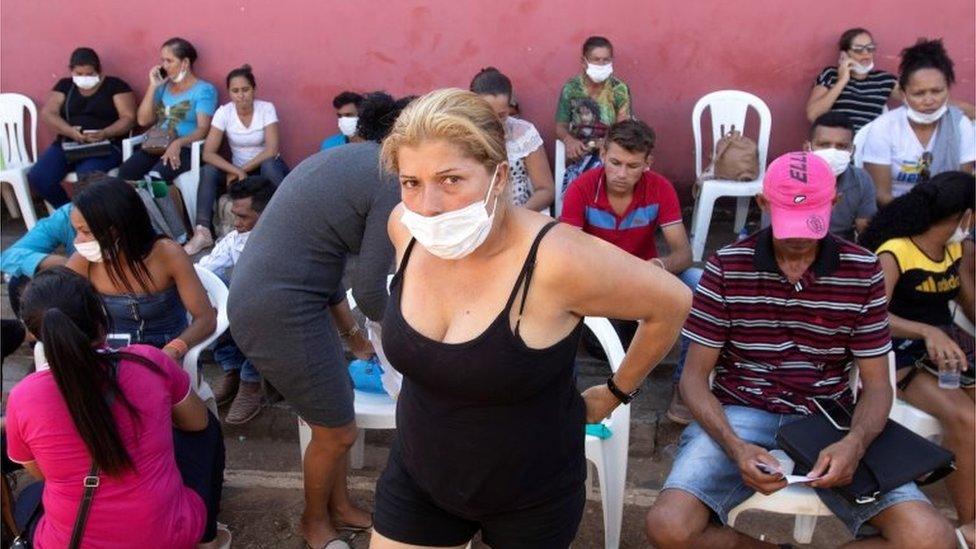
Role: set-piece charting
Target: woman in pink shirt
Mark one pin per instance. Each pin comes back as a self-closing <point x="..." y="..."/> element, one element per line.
<point x="159" y="486"/>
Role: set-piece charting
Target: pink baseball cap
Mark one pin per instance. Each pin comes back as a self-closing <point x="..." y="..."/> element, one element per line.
<point x="800" y="188"/>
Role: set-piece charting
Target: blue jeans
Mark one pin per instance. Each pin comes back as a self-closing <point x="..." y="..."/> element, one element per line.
<point x="702" y="469"/>
<point x="46" y="175"/>
<point x="690" y="277"/>
<point x="212" y="180"/>
<point x="229" y="356"/>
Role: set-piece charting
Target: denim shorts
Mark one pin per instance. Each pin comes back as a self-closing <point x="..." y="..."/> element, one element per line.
<point x="702" y="469"/>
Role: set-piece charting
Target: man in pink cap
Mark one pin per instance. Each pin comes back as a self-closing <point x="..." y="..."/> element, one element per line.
<point x="780" y="317"/>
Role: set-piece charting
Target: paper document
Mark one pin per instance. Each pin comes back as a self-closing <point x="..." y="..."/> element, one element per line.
<point x="798" y="479"/>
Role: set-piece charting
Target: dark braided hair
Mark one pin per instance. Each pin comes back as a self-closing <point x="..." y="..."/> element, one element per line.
<point x="925" y="54"/>
<point x="945" y="195"/>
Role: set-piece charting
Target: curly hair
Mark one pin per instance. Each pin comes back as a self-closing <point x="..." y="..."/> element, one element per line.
<point x="945" y="195"/>
<point x="925" y="54"/>
<point x="377" y="113"/>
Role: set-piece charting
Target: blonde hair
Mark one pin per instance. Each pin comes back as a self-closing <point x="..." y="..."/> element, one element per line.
<point x="458" y="116"/>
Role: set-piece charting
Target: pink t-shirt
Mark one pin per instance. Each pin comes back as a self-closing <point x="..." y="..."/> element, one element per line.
<point x="148" y="507"/>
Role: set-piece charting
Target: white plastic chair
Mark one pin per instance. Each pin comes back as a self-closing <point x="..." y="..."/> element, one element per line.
<point x="17" y="158"/>
<point x="373" y="411"/>
<point x="727" y="108"/>
<point x="217" y="292"/>
<point x="558" y="172"/>
<point x="187" y="182"/>
<point x="609" y="455"/>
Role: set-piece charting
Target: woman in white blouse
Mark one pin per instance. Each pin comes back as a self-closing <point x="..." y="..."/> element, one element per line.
<point x="251" y="127"/>
<point x="532" y="184"/>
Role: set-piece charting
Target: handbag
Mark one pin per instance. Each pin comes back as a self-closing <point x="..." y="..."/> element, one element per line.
<point x="897" y="456"/>
<point x="158" y="139"/>
<point x="91" y="482"/>
<point x="162" y="208"/>
<point x="736" y="157"/>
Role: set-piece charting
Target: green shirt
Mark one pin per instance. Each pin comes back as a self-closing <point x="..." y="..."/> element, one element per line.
<point x="590" y="117"/>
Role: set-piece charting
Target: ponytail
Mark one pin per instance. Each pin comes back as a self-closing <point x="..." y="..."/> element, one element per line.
<point x="85" y="379"/>
<point x="61" y="308"/>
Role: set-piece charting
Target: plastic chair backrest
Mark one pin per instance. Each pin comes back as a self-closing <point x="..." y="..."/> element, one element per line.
<point x="13" y="138"/>
<point x="619" y="421"/>
<point x="558" y="172"/>
<point x="729" y="108"/>
<point x="217" y="292"/>
<point x="860" y="138"/>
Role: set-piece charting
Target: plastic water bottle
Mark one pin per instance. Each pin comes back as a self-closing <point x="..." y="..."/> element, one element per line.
<point x="949" y="379"/>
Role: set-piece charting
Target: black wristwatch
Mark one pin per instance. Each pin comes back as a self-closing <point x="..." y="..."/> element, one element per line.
<point x="623" y="397"/>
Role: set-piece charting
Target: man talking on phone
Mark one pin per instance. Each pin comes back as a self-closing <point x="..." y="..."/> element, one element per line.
<point x="780" y="317"/>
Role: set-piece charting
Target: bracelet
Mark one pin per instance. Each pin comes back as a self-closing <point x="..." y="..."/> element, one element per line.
<point x="350" y="332"/>
<point x="178" y="345"/>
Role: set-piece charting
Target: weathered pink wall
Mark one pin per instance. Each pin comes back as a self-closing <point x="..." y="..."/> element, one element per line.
<point x="305" y="51"/>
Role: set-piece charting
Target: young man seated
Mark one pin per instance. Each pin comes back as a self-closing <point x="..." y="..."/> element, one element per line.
<point x="346" y="105"/>
<point x="779" y="318"/>
<point x="241" y="385"/>
<point x="624" y="203"/>
<point x="832" y="138"/>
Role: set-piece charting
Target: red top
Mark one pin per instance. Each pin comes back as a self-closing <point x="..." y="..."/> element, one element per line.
<point x="654" y="204"/>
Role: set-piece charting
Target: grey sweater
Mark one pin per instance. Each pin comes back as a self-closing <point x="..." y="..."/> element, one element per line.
<point x="334" y="204"/>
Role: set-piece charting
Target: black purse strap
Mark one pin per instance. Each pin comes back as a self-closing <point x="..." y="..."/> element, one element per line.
<point x="91" y="483"/>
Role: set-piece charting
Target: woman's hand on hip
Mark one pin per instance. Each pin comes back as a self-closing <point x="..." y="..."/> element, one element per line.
<point x="600" y="402"/>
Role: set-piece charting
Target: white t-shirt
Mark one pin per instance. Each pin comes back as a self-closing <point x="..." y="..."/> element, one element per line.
<point x="246" y="142"/>
<point x="891" y="141"/>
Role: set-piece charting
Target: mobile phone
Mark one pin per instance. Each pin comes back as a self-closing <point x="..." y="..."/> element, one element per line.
<point x="117" y="341"/>
<point x="162" y="72"/>
<point x="835" y="412"/>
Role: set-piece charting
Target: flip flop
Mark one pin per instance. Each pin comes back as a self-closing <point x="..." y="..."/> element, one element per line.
<point x="334" y="543"/>
<point x="351" y="527"/>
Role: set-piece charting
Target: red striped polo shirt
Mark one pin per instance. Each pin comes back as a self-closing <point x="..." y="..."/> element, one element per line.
<point x="782" y="343"/>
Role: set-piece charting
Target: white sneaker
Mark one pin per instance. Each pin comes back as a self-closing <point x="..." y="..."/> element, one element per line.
<point x="201" y="239"/>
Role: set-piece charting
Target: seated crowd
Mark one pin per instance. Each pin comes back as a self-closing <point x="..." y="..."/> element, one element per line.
<point x="849" y="265"/>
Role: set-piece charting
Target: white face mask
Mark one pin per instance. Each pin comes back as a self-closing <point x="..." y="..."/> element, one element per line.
<point x="599" y="73"/>
<point x="90" y="250"/>
<point x="926" y="118"/>
<point x="838" y="160"/>
<point x="960" y="233"/>
<point x="347" y="125"/>
<point x="862" y="69"/>
<point x="454" y="234"/>
<point x="85" y="82"/>
<point x="179" y="77"/>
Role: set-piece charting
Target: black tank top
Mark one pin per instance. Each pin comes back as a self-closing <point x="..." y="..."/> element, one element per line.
<point x="489" y="424"/>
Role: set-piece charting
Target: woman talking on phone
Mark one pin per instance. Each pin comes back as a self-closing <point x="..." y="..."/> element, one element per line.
<point x="854" y="86"/>
<point x="178" y="103"/>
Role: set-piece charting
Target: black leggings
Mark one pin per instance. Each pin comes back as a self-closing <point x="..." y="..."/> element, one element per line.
<point x="200" y="459"/>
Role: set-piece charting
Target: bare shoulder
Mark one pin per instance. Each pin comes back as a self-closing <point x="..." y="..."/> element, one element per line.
<point x="399" y="234"/>
<point x="167" y="248"/>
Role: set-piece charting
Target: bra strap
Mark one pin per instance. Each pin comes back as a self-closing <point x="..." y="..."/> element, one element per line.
<point x="525" y="276"/>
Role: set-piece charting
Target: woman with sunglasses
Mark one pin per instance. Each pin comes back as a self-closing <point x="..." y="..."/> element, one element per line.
<point x="926" y="136"/>
<point x="853" y="87"/>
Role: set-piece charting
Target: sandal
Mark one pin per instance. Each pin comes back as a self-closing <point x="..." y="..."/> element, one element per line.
<point x="339" y="525"/>
<point x="334" y="543"/>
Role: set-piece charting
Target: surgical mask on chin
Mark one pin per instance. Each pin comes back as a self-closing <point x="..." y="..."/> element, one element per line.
<point x="347" y="125"/>
<point x="454" y="234"/>
<point x="926" y="118"/>
<point x="599" y="73"/>
<point x="862" y="69"/>
<point x="838" y="160"/>
<point x="90" y="250"/>
<point x="85" y="82"/>
<point x="179" y="77"/>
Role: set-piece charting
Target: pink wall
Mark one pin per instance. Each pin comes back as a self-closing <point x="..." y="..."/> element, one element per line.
<point x="304" y="52"/>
